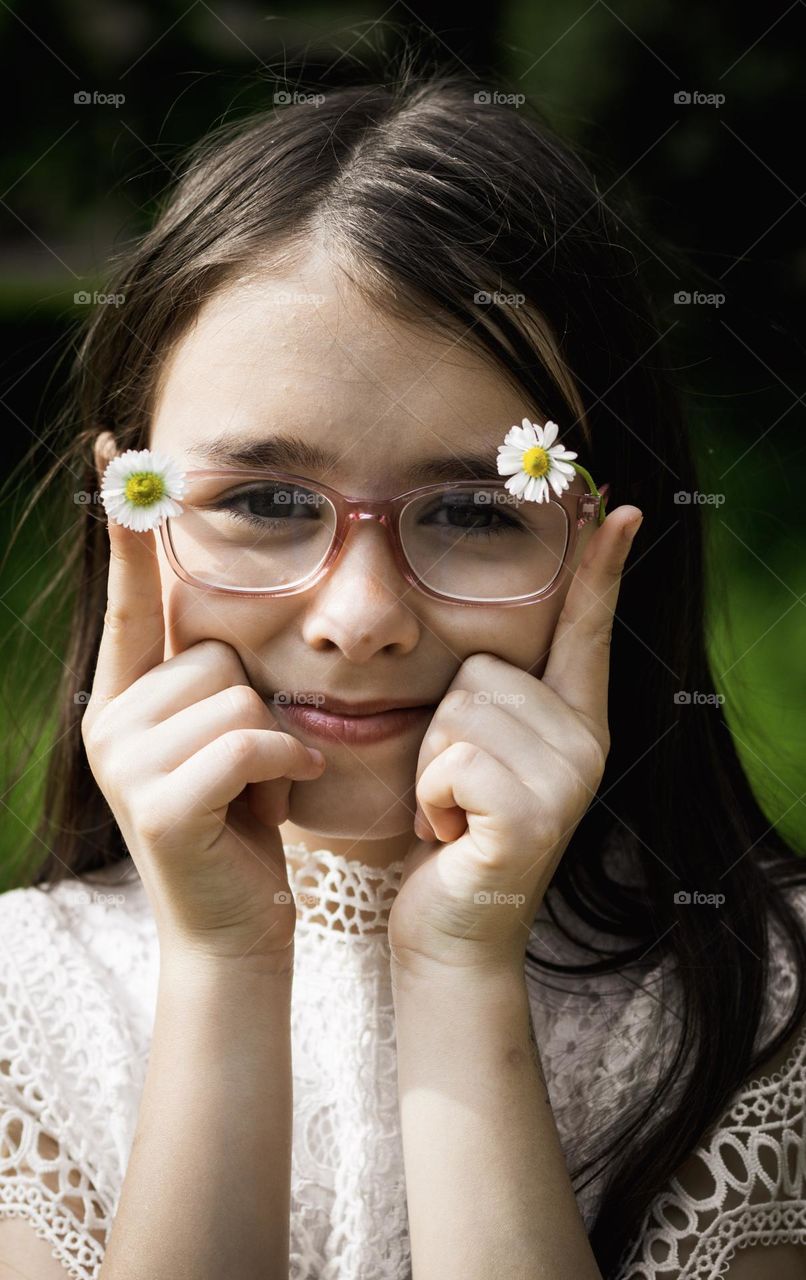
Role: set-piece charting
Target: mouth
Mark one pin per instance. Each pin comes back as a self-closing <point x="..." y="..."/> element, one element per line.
<point x="351" y="723"/>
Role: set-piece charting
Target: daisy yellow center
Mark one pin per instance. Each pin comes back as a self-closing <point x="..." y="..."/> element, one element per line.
<point x="144" y="488"/>
<point x="536" y="461"/>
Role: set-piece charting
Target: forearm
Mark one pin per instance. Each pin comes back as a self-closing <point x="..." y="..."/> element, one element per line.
<point x="207" y="1188"/>
<point x="487" y="1185"/>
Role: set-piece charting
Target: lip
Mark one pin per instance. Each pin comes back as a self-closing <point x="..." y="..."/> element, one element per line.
<point x="340" y="706"/>
<point x="353" y="723"/>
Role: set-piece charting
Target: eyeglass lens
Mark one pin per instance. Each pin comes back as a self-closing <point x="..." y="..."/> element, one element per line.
<point x="470" y="543"/>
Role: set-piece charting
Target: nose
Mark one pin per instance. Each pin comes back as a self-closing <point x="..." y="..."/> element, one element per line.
<point x="362" y="606"/>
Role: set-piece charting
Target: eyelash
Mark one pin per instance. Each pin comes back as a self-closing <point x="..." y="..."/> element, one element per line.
<point x="266" y="522"/>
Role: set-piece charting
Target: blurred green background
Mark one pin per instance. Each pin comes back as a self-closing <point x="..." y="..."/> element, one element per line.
<point x="719" y="179"/>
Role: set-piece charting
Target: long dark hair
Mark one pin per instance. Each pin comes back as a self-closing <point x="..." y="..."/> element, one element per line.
<point x="428" y="192"/>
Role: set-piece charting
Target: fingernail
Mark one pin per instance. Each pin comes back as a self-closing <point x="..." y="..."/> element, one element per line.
<point x="315" y="755"/>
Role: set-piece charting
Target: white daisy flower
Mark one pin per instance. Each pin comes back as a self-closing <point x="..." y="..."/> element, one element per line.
<point x="140" y="487"/>
<point x="533" y="462"/>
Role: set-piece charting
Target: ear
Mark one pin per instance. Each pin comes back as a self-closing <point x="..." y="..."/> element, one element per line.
<point x="104" y="451"/>
<point x="604" y="490"/>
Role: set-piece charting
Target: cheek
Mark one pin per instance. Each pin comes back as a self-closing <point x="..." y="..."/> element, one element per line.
<point x="520" y="636"/>
<point x="191" y="616"/>
<point x="524" y="636"/>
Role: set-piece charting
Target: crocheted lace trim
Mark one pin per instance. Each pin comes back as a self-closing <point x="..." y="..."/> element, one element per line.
<point x="744" y="1185"/>
<point x="77" y="984"/>
<point x="334" y="893"/>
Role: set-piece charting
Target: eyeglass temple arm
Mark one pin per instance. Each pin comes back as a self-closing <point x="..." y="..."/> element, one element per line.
<point x="586" y="476"/>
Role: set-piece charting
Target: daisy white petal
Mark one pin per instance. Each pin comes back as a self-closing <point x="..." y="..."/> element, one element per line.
<point x="517" y="483"/>
<point x="141" y="487"/>
<point x="550" y="432"/>
<point x="509" y="460"/>
<point x="521" y="438"/>
<point x="563" y="455"/>
<point x="557" y="481"/>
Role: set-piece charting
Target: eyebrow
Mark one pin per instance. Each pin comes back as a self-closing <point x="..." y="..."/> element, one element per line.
<point x="292" y="453"/>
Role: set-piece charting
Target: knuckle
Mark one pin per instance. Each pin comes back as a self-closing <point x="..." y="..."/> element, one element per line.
<point x="458" y="700"/>
<point x="292" y="750"/>
<point x="235" y="746"/>
<point x="151" y="827"/>
<point x="94" y="732"/>
<point x="465" y="753"/>
<point x="594" y="755"/>
<point x="601" y="635"/>
<point x="477" y="664"/>
<point x="156" y="824"/>
<point x="119" y="615"/>
<point x="543" y="825"/>
<point x="117" y="771"/>
<point x="87" y="726"/>
<point x="245" y="703"/>
<point x="221" y="654"/>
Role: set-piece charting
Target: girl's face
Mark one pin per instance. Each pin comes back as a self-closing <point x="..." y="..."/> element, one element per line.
<point x="306" y="355"/>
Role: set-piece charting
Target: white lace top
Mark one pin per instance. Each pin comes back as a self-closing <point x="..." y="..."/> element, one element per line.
<point x="78" y="986"/>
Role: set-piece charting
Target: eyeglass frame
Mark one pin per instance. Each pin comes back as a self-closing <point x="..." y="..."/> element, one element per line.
<point x="579" y="509"/>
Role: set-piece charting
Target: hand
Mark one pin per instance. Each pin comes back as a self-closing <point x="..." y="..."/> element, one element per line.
<point x="195" y="772"/>
<point x="507" y="768"/>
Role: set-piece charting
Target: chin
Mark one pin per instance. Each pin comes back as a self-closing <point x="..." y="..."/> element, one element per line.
<point x="319" y="814"/>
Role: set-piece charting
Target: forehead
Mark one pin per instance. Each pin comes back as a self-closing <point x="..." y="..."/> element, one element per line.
<point x="307" y="356"/>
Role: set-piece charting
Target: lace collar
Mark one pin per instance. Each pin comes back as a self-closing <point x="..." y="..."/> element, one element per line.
<point x="343" y="895"/>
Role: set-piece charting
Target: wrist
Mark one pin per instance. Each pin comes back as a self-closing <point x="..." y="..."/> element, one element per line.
<point x="190" y="962"/>
<point x="412" y="971"/>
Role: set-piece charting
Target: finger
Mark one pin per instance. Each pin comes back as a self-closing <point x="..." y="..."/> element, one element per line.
<point x="485" y="682"/>
<point x="205" y="668"/>
<point x="220" y="771"/>
<point x="461" y="718"/>
<point x="578" y="666"/>
<point x="179" y="736"/>
<point x="468" y="777"/>
<point x="133" y="639"/>
<point x="268" y="801"/>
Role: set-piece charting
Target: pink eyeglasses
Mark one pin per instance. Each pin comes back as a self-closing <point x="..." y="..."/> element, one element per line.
<point x="269" y="533"/>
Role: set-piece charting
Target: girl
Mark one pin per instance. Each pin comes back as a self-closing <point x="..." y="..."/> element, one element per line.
<point x="254" y="1023"/>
